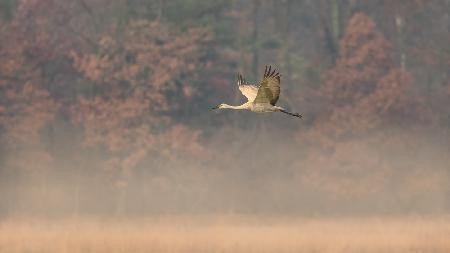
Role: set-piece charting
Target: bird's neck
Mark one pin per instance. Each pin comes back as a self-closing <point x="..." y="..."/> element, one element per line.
<point x="234" y="107"/>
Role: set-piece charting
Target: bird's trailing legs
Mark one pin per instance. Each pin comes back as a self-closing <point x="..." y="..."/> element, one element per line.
<point x="291" y="113"/>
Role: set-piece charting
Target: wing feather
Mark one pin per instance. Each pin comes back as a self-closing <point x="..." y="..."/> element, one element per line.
<point x="269" y="89"/>
<point x="248" y="90"/>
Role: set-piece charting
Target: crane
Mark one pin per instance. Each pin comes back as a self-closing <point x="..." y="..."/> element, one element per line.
<point x="263" y="98"/>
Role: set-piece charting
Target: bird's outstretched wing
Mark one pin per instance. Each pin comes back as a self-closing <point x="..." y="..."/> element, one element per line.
<point x="269" y="90"/>
<point x="248" y="90"/>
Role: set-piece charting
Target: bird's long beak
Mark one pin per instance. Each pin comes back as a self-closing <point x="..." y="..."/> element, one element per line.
<point x="215" y="107"/>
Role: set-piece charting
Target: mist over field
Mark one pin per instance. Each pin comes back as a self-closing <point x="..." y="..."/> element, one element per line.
<point x="106" y="123"/>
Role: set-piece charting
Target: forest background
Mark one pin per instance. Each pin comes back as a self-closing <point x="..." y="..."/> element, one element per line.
<point x="105" y="107"/>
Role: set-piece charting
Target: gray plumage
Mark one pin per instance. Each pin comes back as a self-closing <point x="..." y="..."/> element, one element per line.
<point x="260" y="98"/>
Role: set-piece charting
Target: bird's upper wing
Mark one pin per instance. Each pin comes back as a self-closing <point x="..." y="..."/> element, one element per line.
<point x="248" y="90"/>
<point x="269" y="90"/>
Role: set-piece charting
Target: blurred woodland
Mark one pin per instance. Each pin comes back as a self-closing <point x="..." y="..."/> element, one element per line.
<point x="105" y="107"/>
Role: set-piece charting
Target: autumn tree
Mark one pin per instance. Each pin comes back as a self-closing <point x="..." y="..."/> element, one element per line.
<point x="138" y="88"/>
<point x="26" y="106"/>
<point x="365" y="98"/>
<point x="365" y="91"/>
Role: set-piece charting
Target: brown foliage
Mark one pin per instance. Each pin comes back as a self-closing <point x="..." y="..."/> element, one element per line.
<point x="136" y="82"/>
<point x="133" y="77"/>
<point x="365" y="97"/>
<point x="363" y="59"/>
<point x="25" y="106"/>
<point x="148" y="58"/>
<point x="365" y="92"/>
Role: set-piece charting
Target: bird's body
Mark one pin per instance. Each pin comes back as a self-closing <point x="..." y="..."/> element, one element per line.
<point x="259" y="107"/>
<point x="263" y="98"/>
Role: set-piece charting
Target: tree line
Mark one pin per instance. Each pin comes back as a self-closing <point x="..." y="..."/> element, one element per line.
<point x="103" y="98"/>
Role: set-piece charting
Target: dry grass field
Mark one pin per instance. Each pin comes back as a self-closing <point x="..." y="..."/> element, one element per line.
<point x="225" y="234"/>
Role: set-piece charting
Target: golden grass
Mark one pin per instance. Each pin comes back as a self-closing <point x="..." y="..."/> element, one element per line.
<point x="228" y="235"/>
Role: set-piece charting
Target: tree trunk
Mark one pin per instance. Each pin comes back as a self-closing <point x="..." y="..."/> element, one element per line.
<point x="255" y="60"/>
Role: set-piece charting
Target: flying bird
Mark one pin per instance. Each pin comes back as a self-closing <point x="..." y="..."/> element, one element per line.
<point x="260" y="98"/>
